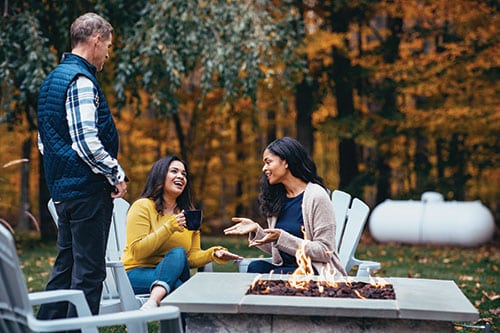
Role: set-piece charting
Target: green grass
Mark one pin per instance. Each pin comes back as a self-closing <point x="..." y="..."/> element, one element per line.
<point x="474" y="270"/>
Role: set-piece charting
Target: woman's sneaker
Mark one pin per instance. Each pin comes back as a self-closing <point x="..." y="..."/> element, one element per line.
<point x="150" y="304"/>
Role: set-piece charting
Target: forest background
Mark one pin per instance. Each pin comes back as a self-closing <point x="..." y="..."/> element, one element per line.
<point x="391" y="98"/>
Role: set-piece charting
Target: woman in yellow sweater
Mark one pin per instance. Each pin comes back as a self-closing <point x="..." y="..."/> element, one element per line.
<point x="160" y="250"/>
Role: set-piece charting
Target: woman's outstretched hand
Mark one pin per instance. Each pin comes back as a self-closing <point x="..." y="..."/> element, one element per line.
<point x="272" y="235"/>
<point x="226" y="255"/>
<point x="243" y="226"/>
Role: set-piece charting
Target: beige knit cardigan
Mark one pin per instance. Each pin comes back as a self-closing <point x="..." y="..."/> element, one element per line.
<point x="319" y="225"/>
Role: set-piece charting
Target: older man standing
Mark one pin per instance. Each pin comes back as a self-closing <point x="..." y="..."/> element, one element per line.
<point x="79" y="143"/>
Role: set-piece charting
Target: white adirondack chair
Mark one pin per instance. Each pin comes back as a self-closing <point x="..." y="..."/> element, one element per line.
<point x="117" y="294"/>
<point x="350" y="219"/>
<point x="351" y="233"/>
<point x="116" y="287"/>
<point x="16" y="304"/>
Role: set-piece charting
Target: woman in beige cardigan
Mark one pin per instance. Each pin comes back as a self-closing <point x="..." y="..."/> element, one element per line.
<point x="298" y="210"/>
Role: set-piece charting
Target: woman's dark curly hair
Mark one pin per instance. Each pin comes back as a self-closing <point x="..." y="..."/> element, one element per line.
<point x="155" y="183"/>
<point x="300" y="164"/>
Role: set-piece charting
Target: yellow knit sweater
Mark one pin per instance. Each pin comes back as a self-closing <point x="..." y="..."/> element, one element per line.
<point x="151" y="235"/>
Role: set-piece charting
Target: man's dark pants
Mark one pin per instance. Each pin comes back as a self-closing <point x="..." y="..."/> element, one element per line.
<point x="80" y="264"/>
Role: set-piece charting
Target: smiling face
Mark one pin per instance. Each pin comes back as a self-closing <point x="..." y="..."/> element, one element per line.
<point x="175" y="179"/>
<point x="275" y="168"/>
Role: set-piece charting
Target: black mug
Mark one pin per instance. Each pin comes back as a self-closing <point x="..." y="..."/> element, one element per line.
<point x="193" y="219"/>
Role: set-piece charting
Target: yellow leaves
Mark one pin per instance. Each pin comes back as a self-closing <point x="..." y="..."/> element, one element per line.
<point x="326" y="110"/>
<point x="321" y="43"/>
<point x="271" y="74"/>
<point x="408" y="48"/>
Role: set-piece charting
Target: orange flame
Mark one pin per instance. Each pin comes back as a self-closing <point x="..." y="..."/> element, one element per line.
<point x="328" y="276"/>
<point x="255" y="281"/>
<point x="359" y="295"/>
<point x="305" y="272"/>
<point x="378" y="282"/>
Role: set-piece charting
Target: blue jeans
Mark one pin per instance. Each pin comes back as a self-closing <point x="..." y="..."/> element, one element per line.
<point x="262" y="266"/>
<point x="170" y="273"/>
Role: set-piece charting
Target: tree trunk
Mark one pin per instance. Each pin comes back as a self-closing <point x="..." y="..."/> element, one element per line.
<point x="240" y="157"/>
<point x="383" y="180"/>
<point x="389" y="110"/>
<point x="458" y="163"/>
<point x="440" y="159"/>
<point x="422" y="164"/>
<point x="304" y="105"/>
<point x="271" y="126"/>
<point x="180" y="135"/>
<point x="24" y="202"/>
<point x="348" y="160"/>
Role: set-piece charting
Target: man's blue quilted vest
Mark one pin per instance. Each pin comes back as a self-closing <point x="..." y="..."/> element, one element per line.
<point x="67" y="175"/>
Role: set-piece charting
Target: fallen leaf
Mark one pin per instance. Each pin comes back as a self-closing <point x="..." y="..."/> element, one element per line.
<point x="490" y="297"/>
<point x="466" y="278"/>
<point x="495" y="311"/>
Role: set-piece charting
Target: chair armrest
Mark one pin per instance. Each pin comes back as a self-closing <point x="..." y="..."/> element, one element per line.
<point x="243" y="264"/>
<point x="116" y="263"/>
<point x="76" y="297"/>
<point x="365" y="267"/>
<point x="111" y="319"/>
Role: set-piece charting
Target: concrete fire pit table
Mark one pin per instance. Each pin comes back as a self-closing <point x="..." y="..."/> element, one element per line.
<point x="216" y="302"/>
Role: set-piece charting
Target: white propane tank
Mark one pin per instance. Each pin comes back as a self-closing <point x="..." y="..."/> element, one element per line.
<point x="432" y="221"/>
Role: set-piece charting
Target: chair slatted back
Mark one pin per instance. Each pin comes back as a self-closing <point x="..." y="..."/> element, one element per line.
<point x="114" y="249"/>
<point x="340" y="201"/>
<point x="117" y="238"/>
<point x="356" y="218"/>
<point x="14" y="303"/>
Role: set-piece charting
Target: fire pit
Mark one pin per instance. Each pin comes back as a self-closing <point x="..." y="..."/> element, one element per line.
<point x="311" y="288"/>
<point x="218" y="302"/>
<point x="329" y="283"/>
<point x="242" y="302"/>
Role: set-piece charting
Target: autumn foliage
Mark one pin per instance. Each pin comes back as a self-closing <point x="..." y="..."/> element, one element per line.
<point x="393" y="98"/>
